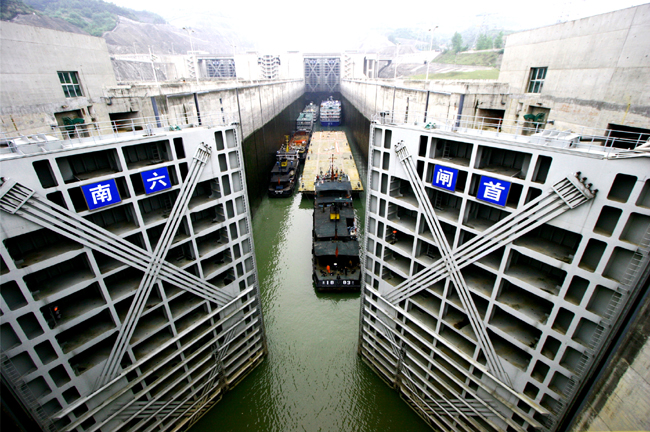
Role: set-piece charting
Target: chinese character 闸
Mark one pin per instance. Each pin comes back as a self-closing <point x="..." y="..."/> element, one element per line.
<point x="444" y="177"/>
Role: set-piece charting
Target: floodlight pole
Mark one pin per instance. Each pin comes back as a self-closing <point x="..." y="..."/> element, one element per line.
<point x="396" y="55"/>
<point x="195" y="60"/>
<point x="430" y="48"/>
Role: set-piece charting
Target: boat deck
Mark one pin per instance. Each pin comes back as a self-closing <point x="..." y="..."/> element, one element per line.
<point x="323" y="145"/>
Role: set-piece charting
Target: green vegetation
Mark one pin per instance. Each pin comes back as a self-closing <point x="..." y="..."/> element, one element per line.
<point x="485" y="41"/>
<point x="457" y="43"/>
<point x="93" y="16"/>
<point x="498" y="40"/>
<point x="10" y="8"/>
<point x="489" y="58"/>
<point x="479" y="74"/>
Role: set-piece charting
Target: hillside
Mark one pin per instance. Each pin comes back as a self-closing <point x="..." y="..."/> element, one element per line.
<point x="9" y="9"/>
<point x="126" y="31"/>
<point x="490" y="58"/>
<point x="92" y="16"/>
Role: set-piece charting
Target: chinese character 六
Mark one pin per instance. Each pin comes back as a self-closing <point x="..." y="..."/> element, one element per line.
<point x="155" y="179"/>
<point x="493" y="191"/>
<point x="102" y="192"/>
<point x="444" y="177"/>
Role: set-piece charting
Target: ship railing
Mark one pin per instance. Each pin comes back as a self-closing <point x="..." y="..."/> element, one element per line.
<point x="541" y="133"/>
<point x="58" y="137"/>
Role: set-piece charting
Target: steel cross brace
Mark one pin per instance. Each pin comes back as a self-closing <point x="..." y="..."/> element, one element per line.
<point x="46" y="214"/>
<point x="564" y="195"/>
<point x="493" y="362"/>
<point x="153" y="269"/>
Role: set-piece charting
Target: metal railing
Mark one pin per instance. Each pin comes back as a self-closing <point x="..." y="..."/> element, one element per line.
<point x="586" y="138"/>
<point x="58" y="137"/>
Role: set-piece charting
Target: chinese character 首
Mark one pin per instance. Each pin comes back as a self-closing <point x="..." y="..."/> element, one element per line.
<point x="493" y="191"/>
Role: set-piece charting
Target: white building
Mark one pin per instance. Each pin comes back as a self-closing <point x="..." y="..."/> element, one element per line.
<point x="49" y="75"/>
<point x="593" y="71"/>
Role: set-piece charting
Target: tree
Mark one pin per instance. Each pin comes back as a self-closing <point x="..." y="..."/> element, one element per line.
<point x="457" y="42"/>
<point x="498" y="40"/>
<point x="484" y="42"/>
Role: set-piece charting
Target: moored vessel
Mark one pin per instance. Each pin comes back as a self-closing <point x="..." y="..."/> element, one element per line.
<point x="336" y="265"/>
<point x="305" y="121"/>
<point x="313" y="109"/>
<point x="300" y="142"/>
<point x="284" y="172"/>
<point x="330" y="112"/>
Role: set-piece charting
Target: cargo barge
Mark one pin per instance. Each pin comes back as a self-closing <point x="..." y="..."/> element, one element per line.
<point x="324" y="145"/>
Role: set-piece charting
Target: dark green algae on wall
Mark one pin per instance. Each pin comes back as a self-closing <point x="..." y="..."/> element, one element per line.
<point x="312" y="378"/>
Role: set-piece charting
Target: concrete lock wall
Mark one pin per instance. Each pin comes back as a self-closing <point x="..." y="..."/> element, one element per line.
<point x="251" y="105"/>
<point x="410" y="100"/>
<point x="598" y="70"/>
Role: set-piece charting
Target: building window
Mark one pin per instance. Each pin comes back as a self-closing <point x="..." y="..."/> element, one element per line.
<point x="70" y="83"/>
<point x="536" y="81"/>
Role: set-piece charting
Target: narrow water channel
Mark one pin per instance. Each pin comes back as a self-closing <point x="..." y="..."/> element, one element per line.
<point x="312" y="379"/>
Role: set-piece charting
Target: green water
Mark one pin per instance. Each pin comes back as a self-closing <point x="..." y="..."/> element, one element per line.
<point x="312" y="379"/>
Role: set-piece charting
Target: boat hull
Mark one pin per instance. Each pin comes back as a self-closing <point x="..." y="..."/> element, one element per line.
<point x="343" y="284"/>
<point x="330" y="123"/>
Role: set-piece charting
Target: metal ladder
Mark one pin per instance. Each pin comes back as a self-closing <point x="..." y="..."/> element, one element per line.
<point x="438" y="201"/>
<point x="446" y="150"/>
<point x="26" y="396"/>
<point x="440" y="404"/>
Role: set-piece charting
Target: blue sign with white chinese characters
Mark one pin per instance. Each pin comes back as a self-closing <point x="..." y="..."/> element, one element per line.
<point x="444" y="177"/>
<point x="156" y="180"/>
<point x="101" y="194"/>
<point x="493" y="191"/>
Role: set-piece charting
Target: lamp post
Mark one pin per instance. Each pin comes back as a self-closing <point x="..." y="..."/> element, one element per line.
<point x="430" y="48"/>
<point x="194" y="59"/>
<point x="153" y="58"/>
<point x="234" y="62"/>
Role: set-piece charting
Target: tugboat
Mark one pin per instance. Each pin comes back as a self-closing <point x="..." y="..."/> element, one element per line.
<point x="284" y="172"/>
<point x="336" y="264"/>
<point x="300" y="142"/>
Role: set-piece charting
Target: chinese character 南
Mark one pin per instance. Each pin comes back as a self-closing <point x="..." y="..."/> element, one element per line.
<point x="493" y="191"/>
<point x="101" y="193"/>
<point x="155" y="179"/>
